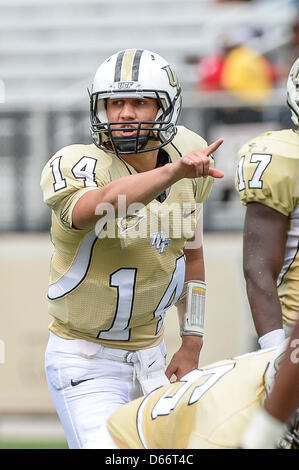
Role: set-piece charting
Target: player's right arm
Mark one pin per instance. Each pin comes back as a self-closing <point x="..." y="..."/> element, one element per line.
<point x="280" y="406"/>
<point x="265" y="232"/>
<point x="283" y="399"/>
<point x="143" y="187"/>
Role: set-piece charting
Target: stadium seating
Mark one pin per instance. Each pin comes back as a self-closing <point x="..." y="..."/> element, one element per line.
<point x="50" y="46"/>
<point x="50" y="49"/>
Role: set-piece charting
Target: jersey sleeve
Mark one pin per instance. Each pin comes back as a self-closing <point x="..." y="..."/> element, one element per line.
<point x="67" y="176"/>
<point x="203" y="186"/>
<point x="265" y="176"/>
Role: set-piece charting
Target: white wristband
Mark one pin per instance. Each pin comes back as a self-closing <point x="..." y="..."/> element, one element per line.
<point x="191" y="308"/>
<point x="263" y="432"/>
<point x="272" y="339"/>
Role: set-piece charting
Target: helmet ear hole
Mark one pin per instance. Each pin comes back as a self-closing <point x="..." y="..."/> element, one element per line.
<point x="100" y="111"/>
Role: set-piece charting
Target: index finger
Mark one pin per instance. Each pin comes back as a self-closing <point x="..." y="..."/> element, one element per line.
<point x="212" y="147"/>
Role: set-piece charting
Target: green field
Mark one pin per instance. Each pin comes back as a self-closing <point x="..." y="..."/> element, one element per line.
<point x="11" y="444"/>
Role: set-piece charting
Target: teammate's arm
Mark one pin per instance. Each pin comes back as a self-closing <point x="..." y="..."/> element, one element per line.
<point x="265" y="232"/>
<point x="269" y="424"/>
<point x="143" y="187"/>
<point x="284" y="397"/>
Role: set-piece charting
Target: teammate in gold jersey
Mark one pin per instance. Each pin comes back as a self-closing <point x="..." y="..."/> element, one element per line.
<point x="209" y="408"/>
<point x="281" y="407"/>
<point x="267" y="183"/>
<point x="126" y="228"/>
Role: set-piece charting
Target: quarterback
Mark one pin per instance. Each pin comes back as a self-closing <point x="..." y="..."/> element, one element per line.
<point x="209" y="408"/>
<point x="126" y="230"/>
<point x="267" y="182"/>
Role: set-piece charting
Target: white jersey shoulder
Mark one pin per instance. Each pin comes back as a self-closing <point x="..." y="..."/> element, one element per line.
<point x="280" y="142"/>
<point x="71" y="168"/>
<point x="188" y="140"/>
<point x="73" y="171"/>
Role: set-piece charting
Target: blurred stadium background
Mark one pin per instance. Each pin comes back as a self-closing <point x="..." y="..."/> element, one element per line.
<point x="49" y="51"/>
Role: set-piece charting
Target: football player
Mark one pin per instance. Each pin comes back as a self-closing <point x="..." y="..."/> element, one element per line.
<point x="209" y="408"/>
<point x="267" y="183"/>
<point x="126" y="229"/>
<point x="281" y="408"/>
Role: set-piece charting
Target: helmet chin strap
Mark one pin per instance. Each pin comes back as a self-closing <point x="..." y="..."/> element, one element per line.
<point x="128" y="145"/>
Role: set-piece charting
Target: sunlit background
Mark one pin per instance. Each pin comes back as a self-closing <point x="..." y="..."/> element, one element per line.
<point x="232" y="59"/>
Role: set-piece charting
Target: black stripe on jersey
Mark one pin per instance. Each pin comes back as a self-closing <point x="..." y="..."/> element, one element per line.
<point x="118" y="65"/>
<point x="285" y="269"/>
<point x="136" y="65"/>
<point x="129" y="171"/>
<point x="180" y="153"/>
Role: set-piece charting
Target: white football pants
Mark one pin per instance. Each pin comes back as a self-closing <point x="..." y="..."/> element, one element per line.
<point x="88" y="382"/>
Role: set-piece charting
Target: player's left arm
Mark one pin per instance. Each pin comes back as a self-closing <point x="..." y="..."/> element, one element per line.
<point x="192" y="319"/>
<point x="187" y="357"/>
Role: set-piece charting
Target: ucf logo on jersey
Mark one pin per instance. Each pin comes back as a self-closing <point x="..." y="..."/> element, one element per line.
<point x="160" y="242"/>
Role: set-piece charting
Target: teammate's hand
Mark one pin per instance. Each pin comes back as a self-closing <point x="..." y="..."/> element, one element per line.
<point x="197" y="163"/>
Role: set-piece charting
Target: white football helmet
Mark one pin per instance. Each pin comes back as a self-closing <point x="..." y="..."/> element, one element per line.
<point x="135" y="73"/>
<point x="293" y="91"/>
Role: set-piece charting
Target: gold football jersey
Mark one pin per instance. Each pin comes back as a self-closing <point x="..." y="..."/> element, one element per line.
<point x="268" y="173"/>
<point x="209" y="408"/>
<point x="114" y="284"/>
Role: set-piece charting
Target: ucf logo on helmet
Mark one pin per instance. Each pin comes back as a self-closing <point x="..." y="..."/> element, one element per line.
<point x="125" y="85"/>
<point x="173" y="81"/>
